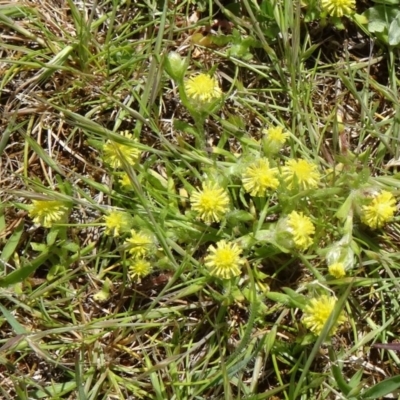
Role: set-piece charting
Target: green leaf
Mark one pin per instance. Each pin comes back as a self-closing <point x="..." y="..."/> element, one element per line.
<point x="12" y="243"/>
<point x="71" y="246"/>
<point x="345" y="208"/>
<point x="278" y="297"/>
<point x="40" y="247"/>
<point x="361" y="19"/>
<point x="381" y="389"/>
<point x="388" y="2"/>
<point x="54" y="390"/>
<point x="380" y="18"/>
<point x="265" y="235"/>
<point x="237" y="216"/>
<point x="394" y="31"/>
<point x="51" y="237"/>
<point x="21" y="274"/>
<point x="337" y="372"/>
<point x="55" y="271"/>
<point x="185" y="127"/>
<point x="42" y="154"/>
<point x="296" y="299"/>
<point x="17" y="327"/>
<point x="105" y="292"/>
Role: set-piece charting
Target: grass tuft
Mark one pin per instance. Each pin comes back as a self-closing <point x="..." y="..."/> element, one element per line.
<point x="138" y="135"/>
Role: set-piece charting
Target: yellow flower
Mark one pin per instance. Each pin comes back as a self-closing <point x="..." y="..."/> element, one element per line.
<point x="337" y="270"/>
<point x="139" y="244"/>
<point x="318" y="312"/>
<point x="202" y="88"/>
<point x="301" y="172"/>
<point x="275" y="136"/>
<point x="224" y="261"/>
<point x="139" y="269"/>
<point x="116" y="221"/>
<point x="211" y="203"/>
<point x="114" y="152"/>
<point x="259" y="177"/>
<point x="338" y="8"/>
<point x="379" y="211"/>
<point x="301" y="228"/>
<point x="47" y="212"/>
<point x="125" y="182"/>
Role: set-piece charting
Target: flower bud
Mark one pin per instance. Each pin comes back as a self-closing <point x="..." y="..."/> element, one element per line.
<point x="175" y="66"/>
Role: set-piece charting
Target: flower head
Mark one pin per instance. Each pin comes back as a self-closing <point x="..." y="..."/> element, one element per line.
<point x="318" y="312"/>
<point x="125" y="182"/>
<point x="139" y="268"/>
<point x="274" y="139"/>
<point x="259" y="177"/>
<point x="116" y="221"/>
<point x="224" y="261"/>
<point x="301" y="172"/>
<point x="211" y="203"/>
<point x="338" y="8"/>
<point x="139" y="244"/>
<point x="379" y="211"/>
<point x="114" y="152"/>
<point x="337" y="270"/>
<point x="301" y="228"/>
<point x="202" y="88"/>
<point x="47" y="212"/>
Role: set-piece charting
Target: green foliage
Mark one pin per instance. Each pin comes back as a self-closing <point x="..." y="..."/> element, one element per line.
<point x="384" y="23"/>
<point x="184" y="228"/>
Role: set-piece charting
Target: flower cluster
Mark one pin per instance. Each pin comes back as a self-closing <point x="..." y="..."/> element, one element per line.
<point x="47" y="212"/>
<point x="259" y="177"/>
<point x="317" y="313"/>
<point x="139" y="268"/>
<point x="211" y="203"/>
<point x="273" y="140"/>
<point x="116" y="222"/>
<point x="114" y="153"/>
<point x="301" y="229"/>
<point x="202" y="88"/>
<point x="337" y="270"/>
<point x="380" y="210"/>
<point x="301" y="173"/>
<point x="224" y="261"/>
<point x="338" y="8"/>
<point x="139" y="244"/>
<point x="125" y="182"/>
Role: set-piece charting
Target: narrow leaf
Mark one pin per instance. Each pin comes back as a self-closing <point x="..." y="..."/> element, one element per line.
<point x="381" y="389"/>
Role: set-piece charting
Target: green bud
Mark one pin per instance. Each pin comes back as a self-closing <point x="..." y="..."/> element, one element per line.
<point x="175" y="66"/>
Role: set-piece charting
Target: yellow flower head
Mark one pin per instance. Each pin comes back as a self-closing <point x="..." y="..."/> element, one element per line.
<point x="211" y="203"/>
<point x="317" y="313"/>
<point x="338" y="8"/>
<point x="259" y="177"/>
<point x="47" y="212"/>
<point x="114" y="152"/>
<point x="337" y="270"/>
<point x="202" y="88"/>
<point x="379" y="211"/>
<point x="139" y="244"/>
<point x="224" y="261"/>
<point x="301" y="228"/>
<point x="274" y="138"/>
<point x="139" y="269"/>
<point x="116" y="221"/>
<point x="125" y="182"/>
<point x="302" y="172"/>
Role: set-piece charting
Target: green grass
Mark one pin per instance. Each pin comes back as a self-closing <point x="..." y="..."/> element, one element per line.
<point x="74" y="323"/>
